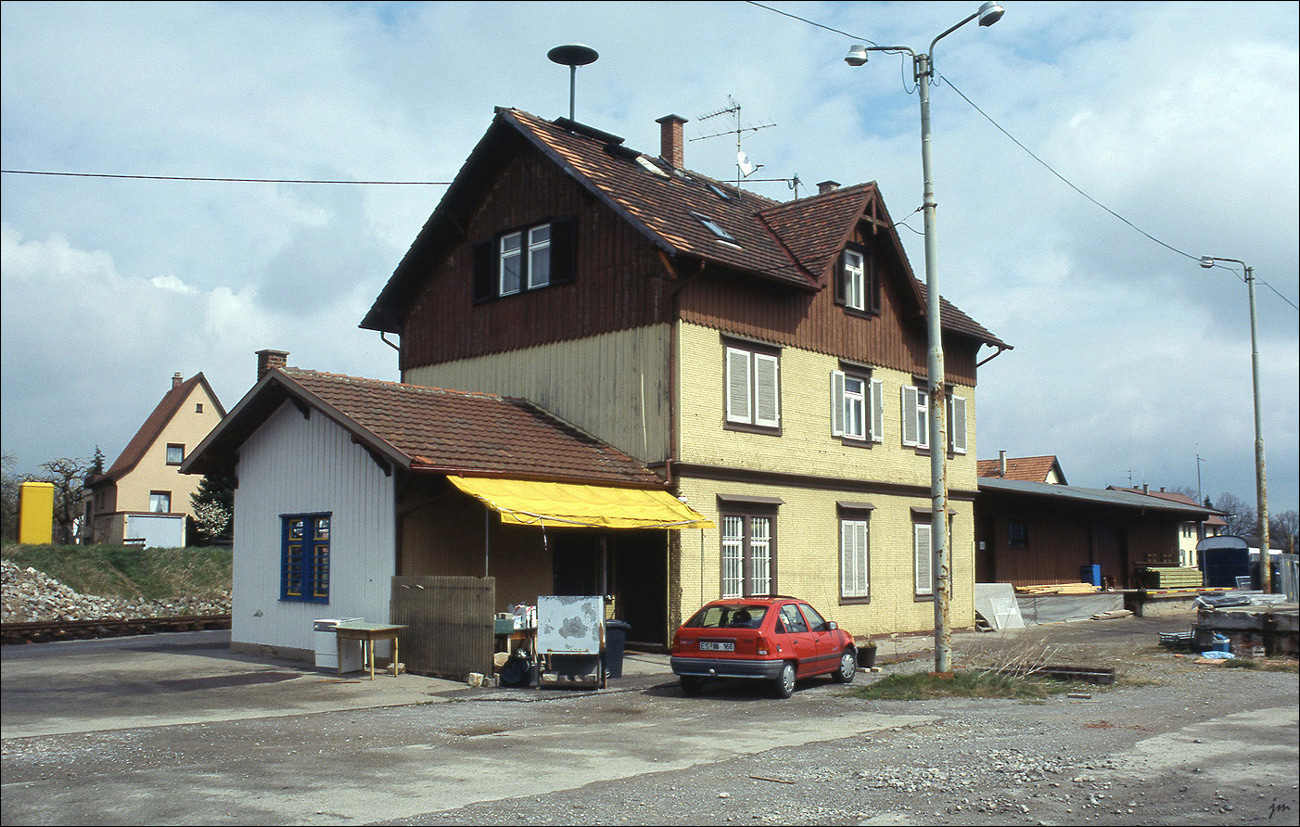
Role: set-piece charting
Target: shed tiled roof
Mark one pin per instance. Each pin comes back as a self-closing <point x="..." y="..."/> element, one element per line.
<point x="435" y="430"/>
<point x="792" y="243"/>
<point x="1030" y="469"/>
<point x="1213" y="519"/>
<point x="1091" y="496"/>
<point x="153" y="427"/>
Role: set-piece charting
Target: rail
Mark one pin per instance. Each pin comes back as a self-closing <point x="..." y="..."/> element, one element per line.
<point x="58" y="630"/>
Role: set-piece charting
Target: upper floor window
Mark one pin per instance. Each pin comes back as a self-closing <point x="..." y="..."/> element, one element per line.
<point x="957" y="424"/>
<point x="856" y="284"/>
<point x="175" y="454"/>
<point x="857" y="407"/>
<point x="525" y="259"/>
<point x="753" y="388"/>
<point x="916" y="417"/>
<point x="198" y="407"/>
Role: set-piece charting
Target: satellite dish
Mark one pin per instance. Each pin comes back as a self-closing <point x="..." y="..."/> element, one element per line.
<point x="742" y="161"/>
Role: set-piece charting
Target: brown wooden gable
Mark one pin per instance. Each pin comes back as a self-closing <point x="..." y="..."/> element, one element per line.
<point x="619" y="281"/>
<point x="639" y="240"/>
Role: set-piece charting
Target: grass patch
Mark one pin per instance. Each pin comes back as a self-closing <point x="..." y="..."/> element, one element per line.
<point x="923" y="686"/>
<point x="127" y="572"/>
<point x="1262" y="666"/>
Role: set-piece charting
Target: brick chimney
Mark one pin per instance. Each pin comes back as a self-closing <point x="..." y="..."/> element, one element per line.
<point x="827" y="186"/>
<point x="671" y="145"/>
<point x="269" y="359"/>
<point x="177" y="381"/>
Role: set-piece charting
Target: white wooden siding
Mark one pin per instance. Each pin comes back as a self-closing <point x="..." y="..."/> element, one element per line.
<point x="292" y="465"/>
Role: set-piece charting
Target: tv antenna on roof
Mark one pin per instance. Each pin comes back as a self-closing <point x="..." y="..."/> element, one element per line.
<point x="744" y="166"/>
<point x="573" y="55"/>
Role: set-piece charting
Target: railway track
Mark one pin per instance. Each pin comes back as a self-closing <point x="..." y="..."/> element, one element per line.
<point x="51" y="631"/>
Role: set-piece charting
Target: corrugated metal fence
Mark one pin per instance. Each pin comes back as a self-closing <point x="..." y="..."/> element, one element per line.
<point x="449" y="624"/>
<point x="1290" y="571"/>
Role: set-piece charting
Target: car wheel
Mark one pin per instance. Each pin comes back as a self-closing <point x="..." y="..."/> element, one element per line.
<point x="848" y="667"/>
<point x="785" y="681"/>
<point x="692" y="686"/>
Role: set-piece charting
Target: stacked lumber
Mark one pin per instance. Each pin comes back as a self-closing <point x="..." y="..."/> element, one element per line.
<point x="1057" y="588"/>
<point x="1172" y="577"/>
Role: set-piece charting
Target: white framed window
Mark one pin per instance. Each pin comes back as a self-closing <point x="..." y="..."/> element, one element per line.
<point x="854" y="280"/>
<point x="957" y="424"/>
<point x="539" y="256"/>
<point x="511" y="267"/>
<point x="175" y="453"/>
<point x="753" y="388"/>
<point x="855" y="543"/>
<point x="923" y="559"/>
<point x="916" y="416"/>
<point x="857" y="407"/>
<point x="748" y="551"/>
<point x="160" y="502"/>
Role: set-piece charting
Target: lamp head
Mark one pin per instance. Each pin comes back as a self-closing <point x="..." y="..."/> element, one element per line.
<point x="990" y="13"/>
<point x="1207" y="262"/>
<point x="857" y="55"/>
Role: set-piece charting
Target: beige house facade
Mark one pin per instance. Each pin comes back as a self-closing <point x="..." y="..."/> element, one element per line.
<point x="143" y="498"/>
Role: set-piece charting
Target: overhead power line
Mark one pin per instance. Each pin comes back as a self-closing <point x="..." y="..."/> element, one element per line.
<point x="225" y="180"/>
<point x="1012" y="138"/>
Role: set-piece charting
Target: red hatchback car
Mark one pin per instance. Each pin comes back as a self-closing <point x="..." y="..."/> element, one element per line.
<point x="776" y="639"/>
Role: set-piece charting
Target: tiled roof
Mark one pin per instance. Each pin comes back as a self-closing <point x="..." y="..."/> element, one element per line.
<point x="153" y="428"/>
<point x="438" y="430"/>
<point x="1031" y="469"/>
<point x="792" y="243"/>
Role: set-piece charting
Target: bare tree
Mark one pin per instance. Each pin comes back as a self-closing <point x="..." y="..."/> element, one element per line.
<point x="1241" y="516"/>
<point x="68" y="477"/>
<point x="1284" y="529"/>
<point x="9" y="484"/>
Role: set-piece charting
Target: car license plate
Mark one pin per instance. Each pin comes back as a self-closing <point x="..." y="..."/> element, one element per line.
<point x="717" y="646"/>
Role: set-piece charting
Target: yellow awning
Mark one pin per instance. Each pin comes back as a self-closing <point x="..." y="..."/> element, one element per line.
<point x="557" y="504"/>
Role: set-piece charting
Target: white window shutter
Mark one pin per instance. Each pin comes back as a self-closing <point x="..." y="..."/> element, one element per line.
<point x="837" y="403"/>
<point x="957" y="423"/>
<point x="738" y="385"/>
<point x="863" y="548"/>
<point x="924" y="554"/>
<point x="847" y="538"/>
<point x="909" y="415"/>
<point x="767" y="384"/>
<point x="877" y="411"/>
<point x="922" y="418"/>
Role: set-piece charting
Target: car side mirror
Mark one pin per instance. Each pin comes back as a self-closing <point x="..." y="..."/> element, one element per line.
<point x="830" y="626"/>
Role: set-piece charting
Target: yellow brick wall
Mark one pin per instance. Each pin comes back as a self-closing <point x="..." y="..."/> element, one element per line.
<point x="805" y="445"/>
<point x="807" y="525"/>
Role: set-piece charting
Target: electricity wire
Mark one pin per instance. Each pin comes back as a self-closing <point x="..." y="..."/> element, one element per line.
<point x="223" y="180"/>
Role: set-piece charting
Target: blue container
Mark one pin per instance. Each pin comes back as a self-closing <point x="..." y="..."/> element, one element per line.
<point x="1220" y="644"/>
<point x="1091" y="574"/>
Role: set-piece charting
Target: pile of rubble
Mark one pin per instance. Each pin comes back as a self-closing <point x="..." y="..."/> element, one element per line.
<point x="31" y="596"/>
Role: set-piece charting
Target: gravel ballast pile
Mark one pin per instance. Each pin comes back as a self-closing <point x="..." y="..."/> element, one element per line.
<point x="30" y="596"/>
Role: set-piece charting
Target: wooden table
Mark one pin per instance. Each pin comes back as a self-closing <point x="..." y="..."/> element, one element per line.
<point x="367" y="633"/>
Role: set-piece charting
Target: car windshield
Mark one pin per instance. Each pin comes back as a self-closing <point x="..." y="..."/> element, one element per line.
<point x="728" y="617"/>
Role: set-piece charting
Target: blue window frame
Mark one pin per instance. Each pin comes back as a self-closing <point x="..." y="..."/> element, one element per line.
<point x="305" y="557"/>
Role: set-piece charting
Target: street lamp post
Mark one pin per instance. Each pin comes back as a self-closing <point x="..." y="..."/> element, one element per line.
<point x="923" y="70"/>
<point x="1261" y="486"/>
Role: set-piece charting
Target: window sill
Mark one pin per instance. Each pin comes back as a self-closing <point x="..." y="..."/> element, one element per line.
<point x="751" y="429"/>
<point x="855" y="601"/>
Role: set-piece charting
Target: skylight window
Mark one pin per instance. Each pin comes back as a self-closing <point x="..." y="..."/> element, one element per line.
<point x="714" y="227"/>
<point x="719" y="191"/>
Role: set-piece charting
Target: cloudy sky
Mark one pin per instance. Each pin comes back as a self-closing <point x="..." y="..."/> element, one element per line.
<point x="1129" y="362"/>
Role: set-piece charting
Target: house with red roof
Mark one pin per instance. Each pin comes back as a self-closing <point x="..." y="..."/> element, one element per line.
<point x="143" y="498"/>
<point x="618" y="330"/>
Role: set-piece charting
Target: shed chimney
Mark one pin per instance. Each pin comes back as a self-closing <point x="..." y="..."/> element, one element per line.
<point x="671" y="147"/>
<point x="1002" y="463"/>
<point x="177" y="380"/>
<point x="827" y="186"/>
<point x="1146" y="489"/>
<point x="269" y="359"/>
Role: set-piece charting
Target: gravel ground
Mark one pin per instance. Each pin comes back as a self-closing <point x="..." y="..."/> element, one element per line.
<point x="29" y="596"/>
<point x="1172" y="743"/>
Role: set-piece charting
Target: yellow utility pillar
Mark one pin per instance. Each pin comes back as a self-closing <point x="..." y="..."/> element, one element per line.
<point x="36" y="513"/>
